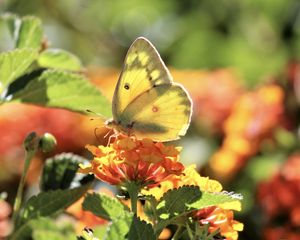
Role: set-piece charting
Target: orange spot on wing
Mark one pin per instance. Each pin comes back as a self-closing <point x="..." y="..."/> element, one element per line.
<point x="154" y="109"/>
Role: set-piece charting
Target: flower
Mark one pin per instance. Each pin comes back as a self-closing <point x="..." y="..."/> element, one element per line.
<point x="129" y="159"/>
<point x="279" y="198"/>
<point x="219" y="219"/>
<point x="253" y="117"/>
<point x="213" y="94"/>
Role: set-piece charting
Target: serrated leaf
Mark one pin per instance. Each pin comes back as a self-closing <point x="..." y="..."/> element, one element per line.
<point x="140" y="230"/>
<point x="22" y="81"/>
<point x="119" y="228"/>
<point x="30" y="33"/>
<point x="176" y="204"/>
<point x="178" y="201"/>
<point x="130" y="227"/>
<point x="48" y="203"/>
<point x="13" y="64"/>
<point x="59" y="59"/>
<point x="215" y="199"/>
<point x="59" y="172"/>
<point x="64" y="90"/>
<point x="104" y="206"/>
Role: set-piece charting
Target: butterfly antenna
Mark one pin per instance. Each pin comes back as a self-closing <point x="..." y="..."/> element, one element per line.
<point x="97" y="114"/>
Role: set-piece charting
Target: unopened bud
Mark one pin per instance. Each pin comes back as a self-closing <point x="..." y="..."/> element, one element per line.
<point x="47" y="142"/>
<point x="31" y="142"/>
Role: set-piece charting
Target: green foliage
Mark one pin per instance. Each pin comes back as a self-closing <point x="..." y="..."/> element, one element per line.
<point x="64" y="90"/>
<point x="119" y="228"/>
<point x="59" y="172"/>
<point x="124" y="223"/>
<point x="42" y="229"/>
<point x="30" y="33"/>
<point x="59" y="59"/>
<point x="49" y="203"/>
<point x="176" y="204"/>
<point x="130" y="227"/>
<point x="104" y="206"/>
<point x="177" y="201"/>
<point x="140" y="230"/>
<point x="31" y="74"/>
<point x="13" y="64"/>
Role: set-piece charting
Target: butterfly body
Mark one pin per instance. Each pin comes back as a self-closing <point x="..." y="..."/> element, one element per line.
<point x="146" y="102"/>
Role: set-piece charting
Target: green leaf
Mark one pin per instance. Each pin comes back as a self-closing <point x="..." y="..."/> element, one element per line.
<point x="40" y="229"/>
<point x="214" y="199"/>
<point x="30" y="33"/>
<point x="119" y="228"/>
<point x="49" y="234"/>
<point x="48" y="203"/>
<point x="12" y="21"/>
<point x="130" y="227"/>
<point x="104" y="206"/>
<point x="59" y="59"/>
<point x="64" y="90"/>
<point x="59" y="172"/>
<point x="13" y="64"/>
<point x="176" y="204"/>
<point x="141" y="230"/>
<point x="177" y="201"/>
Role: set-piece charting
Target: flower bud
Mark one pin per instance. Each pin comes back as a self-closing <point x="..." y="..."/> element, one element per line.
<point x="47" y="142"/>
<point x="30" y="142"/>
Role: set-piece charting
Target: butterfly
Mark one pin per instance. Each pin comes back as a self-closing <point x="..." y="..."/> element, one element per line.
<point x="146" y="102"/>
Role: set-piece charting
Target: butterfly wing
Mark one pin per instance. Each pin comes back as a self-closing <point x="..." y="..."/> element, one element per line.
<point x="146" y="102"/>
<point x="143" y="69"/>
<point x="162" y="113"/>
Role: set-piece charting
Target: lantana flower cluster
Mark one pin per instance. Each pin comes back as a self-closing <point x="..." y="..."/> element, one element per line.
<point x="130" y="159"/>
<point x="279" y="199"/>
<point x="253" y="117"/>
<point x="157" y="167"/>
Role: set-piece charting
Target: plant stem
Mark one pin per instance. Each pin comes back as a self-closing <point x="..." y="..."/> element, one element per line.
<point x="177" y="233"/>
<point x="133" y="189"/>
<point x="31" y="147"/>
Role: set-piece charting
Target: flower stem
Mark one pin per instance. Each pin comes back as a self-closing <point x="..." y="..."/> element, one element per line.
<point x="31" y="146"/>
<point x="177" y="233"/>
<point x="133" y="189"/>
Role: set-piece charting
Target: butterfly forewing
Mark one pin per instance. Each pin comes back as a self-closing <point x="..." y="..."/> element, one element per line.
<point x="143" y="69"/>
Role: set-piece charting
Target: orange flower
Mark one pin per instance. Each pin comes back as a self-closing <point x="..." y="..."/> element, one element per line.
<point x="253" y="117"/>
<point x="130" y="159"/>
<point x="279" y="198"/>
<point x="219" y="219"/>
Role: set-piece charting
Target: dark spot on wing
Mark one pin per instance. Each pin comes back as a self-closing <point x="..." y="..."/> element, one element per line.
<point x="126" y="86"/>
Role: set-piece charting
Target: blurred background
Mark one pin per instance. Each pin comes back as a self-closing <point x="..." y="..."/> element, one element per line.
<point x="238" y="59"/>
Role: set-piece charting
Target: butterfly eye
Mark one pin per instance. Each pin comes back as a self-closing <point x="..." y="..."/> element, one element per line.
<point x="126" y="86"/>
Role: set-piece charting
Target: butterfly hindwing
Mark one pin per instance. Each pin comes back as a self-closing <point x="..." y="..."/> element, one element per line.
<point x="143" y="69"/>
<point x="161" y="113"/>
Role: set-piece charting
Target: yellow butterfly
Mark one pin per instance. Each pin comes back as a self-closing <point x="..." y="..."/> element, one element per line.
<point x="146" y="101"/>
